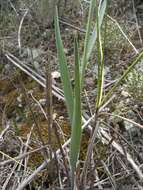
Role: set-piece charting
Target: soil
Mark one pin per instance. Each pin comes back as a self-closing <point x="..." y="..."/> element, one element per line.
<point x="20" y="113"/>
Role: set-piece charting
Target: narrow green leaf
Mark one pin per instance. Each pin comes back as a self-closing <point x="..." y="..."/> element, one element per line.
<point x="87" y="37"/>
<point x="67" y="88"/>
<point x="129" y="69"/>
<point x="93" y="37"/>
<point x="77" y="121"/>
<point x="100" y="58"/>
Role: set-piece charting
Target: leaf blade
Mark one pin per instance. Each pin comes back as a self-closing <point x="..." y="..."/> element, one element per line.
<point x="67" y="87"/>
<point x="77" y="117"/>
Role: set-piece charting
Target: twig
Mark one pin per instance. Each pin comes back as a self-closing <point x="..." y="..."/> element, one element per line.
<point x="72" y="26"/>
<point x="125" y="36"/>
<point x="124" y="118"/>
<point x="19" y="29"/>
<point x="45" y="152"/>
<point x="119" y="148"/>
<point x="122" y="137"/>
<point x="35" y="76"/>
<point x="4" y="187"/>
<point x="13" y="8"/>
<point x="15" y="159"/>
<point x="55" y="126"/>
<point x="44" y="164"/>
<point x="112" y="181"/>
<point x="104" y="135"/>
<point x="88" y="157"/>
<point x="25" y="150"/>
<point x="49" y="104"/>
<point x="137" y="24"/>
<point x="4" y="131"/>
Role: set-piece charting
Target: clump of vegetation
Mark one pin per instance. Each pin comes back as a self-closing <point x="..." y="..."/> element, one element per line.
<point x="134" y="84"/>
<point x="114" y="37"/>
<point x="75" y="164"/>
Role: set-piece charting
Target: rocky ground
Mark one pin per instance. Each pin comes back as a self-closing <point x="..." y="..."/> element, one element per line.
<point x="21" y="114"/>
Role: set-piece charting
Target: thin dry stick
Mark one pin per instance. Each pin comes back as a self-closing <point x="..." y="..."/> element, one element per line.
<point x="25" y="150"/>
<point x="4" y="132"/>
<point x="45" y="152"/>
<point x="21" y="161"/>
<point x="38" y="78"/>
<point x="15" y="159"/>
<point x="88" y="157"/>
<point x="10" y="159"/>
<point x="98" y="179"/>
<point x="104" y="134"/>
<point x="13" y="7"/>
<point x="123" y="33"/>
<point x="137" y="24"/>
<point x="88" y="102"/>
<point x="123" y="165"/>
<point x="49" y="104"/>
<point x="112" y="181"/>
<point x="44" y="164"/>
<point x="4" y="187"/>
<point x="119" y="148"/>
<point x="19" y="30"/>
<point x="122" y="137"/>
<point x="124" y="118"/>
<point x="61" y="149"/>
<point x="56" y="127"/>
<point x="40" y="106"/>
<point x="61" y="20"/>
<point x="121" y="30"/>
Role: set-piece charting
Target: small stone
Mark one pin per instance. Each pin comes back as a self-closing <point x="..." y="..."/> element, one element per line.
<point x="42" y="101"/>
<point x="136" y="106"/>
<point x="61" y="117"/>
<point x="19" y="98"/>
<point x="30" y="92"/>
<point x="55" y="75"/>
<point x="125" y="94"/>
<point x="131" y="128"/>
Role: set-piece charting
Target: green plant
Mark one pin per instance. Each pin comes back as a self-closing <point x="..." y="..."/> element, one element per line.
<point x="67" y="87"/>
<point x="114" y="37"/>
<point x="73" y="98"/>
<point x="134" y="84"/>
<point x="77" y="116"/>
<point x="124" y="75"/>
